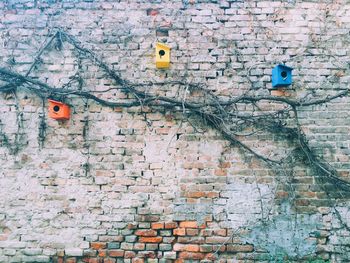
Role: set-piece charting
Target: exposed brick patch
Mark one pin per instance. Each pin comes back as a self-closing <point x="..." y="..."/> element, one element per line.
<point x="180" y="241"/>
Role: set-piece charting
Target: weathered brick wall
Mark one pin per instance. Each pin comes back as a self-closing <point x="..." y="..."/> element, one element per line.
<point x="141" y="185"/>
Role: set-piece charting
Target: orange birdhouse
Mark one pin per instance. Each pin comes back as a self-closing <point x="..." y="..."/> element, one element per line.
<point x="58" y="110"/>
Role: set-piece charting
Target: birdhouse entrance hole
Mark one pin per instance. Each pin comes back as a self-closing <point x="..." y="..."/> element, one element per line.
<point x="281" y="76"/>
<point x="56" y="108"/>
<point x="284" y="74"/>
<point x="161" y="53"/>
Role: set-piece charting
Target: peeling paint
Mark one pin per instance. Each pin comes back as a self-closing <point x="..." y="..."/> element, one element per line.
<point x="287" y="234"/>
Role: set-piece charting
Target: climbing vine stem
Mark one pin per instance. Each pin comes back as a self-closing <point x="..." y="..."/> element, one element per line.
<point x="221" y="114"/>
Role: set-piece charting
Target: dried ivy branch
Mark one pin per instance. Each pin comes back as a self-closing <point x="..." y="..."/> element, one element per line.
<point x="221" y="114"/>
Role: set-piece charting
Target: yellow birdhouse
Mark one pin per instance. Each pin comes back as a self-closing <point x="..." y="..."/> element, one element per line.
<point x="162" y="56"/>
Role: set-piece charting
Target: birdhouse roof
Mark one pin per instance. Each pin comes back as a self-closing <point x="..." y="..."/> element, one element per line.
<point x="161" y="45"/>
<point x="56" y="102"/>
<point x="284" y="66"/>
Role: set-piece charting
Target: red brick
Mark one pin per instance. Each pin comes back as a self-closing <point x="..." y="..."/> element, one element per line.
<point x="282" y="194"/>
<point x="94" y="260"/>
<point x="220" y="172"/>
<point x="170" y="225"/>
<point x="192" y="248"/>
<point x="116" y="253"/>
<point x="138" y="260"/>
<point x="216" y="240"/>
<point x="129" y="254"/>
<point x="131" y="226"/>
<point x="179" y="232"/>
<point x="118" y="238"/>
<point x="118" y="109"/>
<point x="197" y="194"/>
<point x="102" y="253"/>
<point x="168" y="240"/>
<point x="192" y="255"/>
<point x="191" y="200"/>
<point x="105" y="239"/>
<point x="108" y="238"/>
<point x="179" y="247"/>
<point x="193" y="165"/>
<point x="192" y="232"/>
<point x="208" y="218"/>
<point x="211" y="256"/>
<point x="109" y="260"/>
<point x="146" y="233"/>
<point x="157" y="226"/>
<point x="146" y="254"/>
<point x="139" y="246"/>
<point x="191" y="240"/>
<point x="212" y="194"/>
<point x="162" y="130"/>
<point x="98" y="245"/>
<point x="89" y="253"/>
<point x="240" y="248"/>
<point x="225" y="165"/>
<point x="150" y="218"/>
<point x="206" y="248"/>
<point x="220" y="232"/>
<point x="220" y="248"/>
<point x="151" y="239"/>
<point x="191" y="224"/>
<point x="280" y="92"/>
<point x="206" y="232"/>
<point x="302" y="202"/>
<point x="104" y="173"/>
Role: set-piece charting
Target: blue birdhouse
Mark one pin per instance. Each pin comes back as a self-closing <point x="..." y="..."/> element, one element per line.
<point x="281" y="76"/>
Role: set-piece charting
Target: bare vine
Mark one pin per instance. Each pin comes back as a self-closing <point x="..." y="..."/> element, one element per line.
<point x="221" y="114"/>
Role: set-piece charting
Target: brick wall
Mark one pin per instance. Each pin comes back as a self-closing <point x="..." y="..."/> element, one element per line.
<point x="148" y="185"/>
